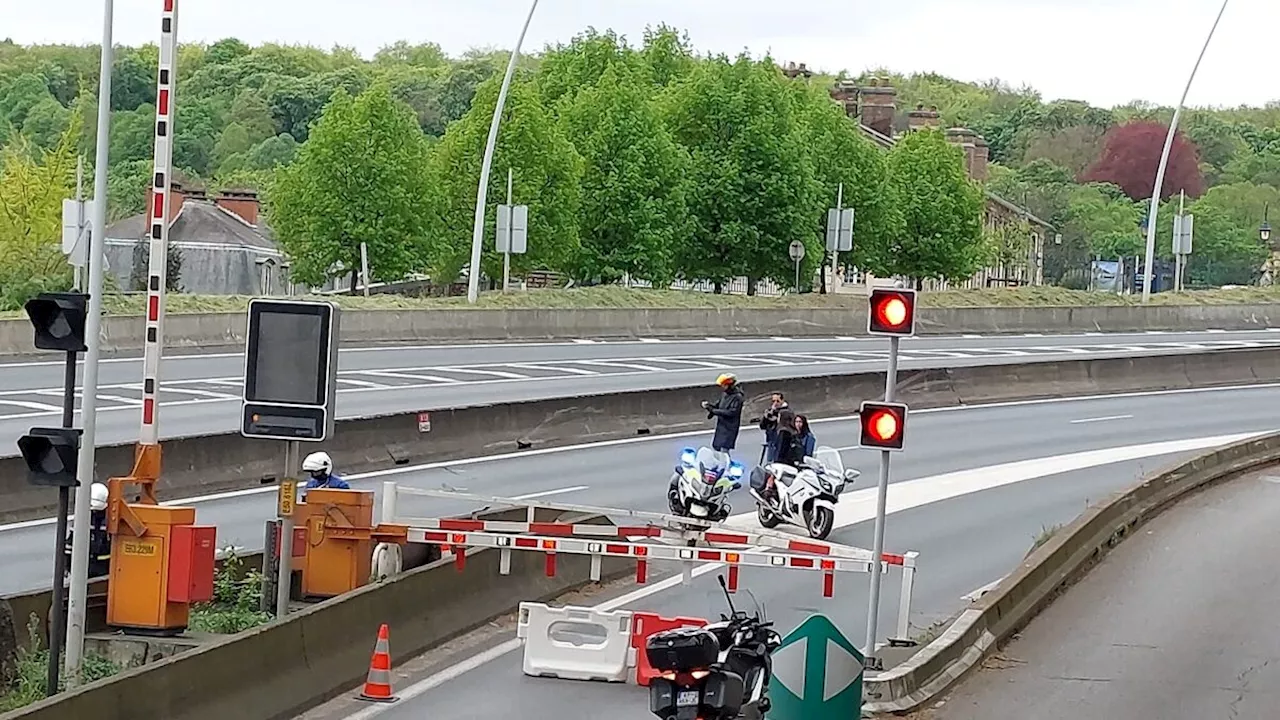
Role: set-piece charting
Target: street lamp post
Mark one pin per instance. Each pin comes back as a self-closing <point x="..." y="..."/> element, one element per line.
<point x="1264" y="232"/>
<point x="1164" y="161"/>
<point x="482" y="194"/>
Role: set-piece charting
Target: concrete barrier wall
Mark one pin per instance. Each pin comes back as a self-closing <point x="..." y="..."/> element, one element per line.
<point x="1066" y="557"/>
<point x="200" y="465"/>
<point x="456" y="326"/>
<point x="280" y="669"/>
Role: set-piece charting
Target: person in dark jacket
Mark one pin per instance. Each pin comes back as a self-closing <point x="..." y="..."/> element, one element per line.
<point x="99" y="539"/>
<point x="789" y="447"/>
<point x="805" y="435"/>
<point x="769" y="424"/>
<point x="727" y="411"/>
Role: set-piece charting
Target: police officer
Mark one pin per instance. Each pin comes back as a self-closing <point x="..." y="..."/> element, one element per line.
<point x="319" y="466"/>
<point x="99" y="539"/>
<point x="727" y="410"/>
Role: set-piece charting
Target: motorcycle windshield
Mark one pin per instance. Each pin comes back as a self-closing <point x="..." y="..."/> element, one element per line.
<point x="830" y="460"/>
<point x="712" y="463"/>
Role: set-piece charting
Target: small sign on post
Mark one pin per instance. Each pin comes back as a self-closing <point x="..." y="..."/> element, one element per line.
<point x="287" y="496"/>
<point x="512" y="230"/>
<point x="840" y="230"/>
<point x="424" y="422"/>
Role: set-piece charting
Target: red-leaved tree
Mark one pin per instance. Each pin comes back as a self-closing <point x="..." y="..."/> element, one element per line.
<point x="1131" y="155"/>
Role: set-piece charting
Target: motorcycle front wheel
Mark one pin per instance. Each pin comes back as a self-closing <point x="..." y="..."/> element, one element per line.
<point x="766" y="517"/>
<point x="821" y="521"/>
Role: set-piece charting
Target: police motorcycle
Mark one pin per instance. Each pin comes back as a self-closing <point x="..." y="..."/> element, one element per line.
<point x="701" y="483"/>
<point x="717" y="672"/>
<point x="803" y="496"/>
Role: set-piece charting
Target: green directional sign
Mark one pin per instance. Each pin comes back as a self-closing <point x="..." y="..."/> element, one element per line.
<point x="817" y="674"/>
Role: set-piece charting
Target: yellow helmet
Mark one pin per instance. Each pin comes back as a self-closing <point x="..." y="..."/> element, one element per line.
<point x="726" y="379"/>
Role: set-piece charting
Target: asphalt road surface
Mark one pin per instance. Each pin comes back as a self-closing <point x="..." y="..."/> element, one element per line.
<point x="200" y="393"/>
<point x="1178" y="623"/>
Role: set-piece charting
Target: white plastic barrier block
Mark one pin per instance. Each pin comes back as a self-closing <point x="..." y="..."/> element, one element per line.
<point x="575" y="643"/>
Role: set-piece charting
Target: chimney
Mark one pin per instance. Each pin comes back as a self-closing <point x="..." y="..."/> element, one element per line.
<point x="177" y="196"/>
<point x="241" y="203"/>
<point x="981" y="157"/>
<point x="845" y="92"/>
<point x="879" y="105"/>
<point x="964" y="138"/>
<point x="921" y="119"/>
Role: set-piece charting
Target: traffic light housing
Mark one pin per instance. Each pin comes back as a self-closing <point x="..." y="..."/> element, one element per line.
<point x="884" y="425"/>
<point x="59" y="320"/>
<point x="892" y="312"/>
<point x="52" y="456"/>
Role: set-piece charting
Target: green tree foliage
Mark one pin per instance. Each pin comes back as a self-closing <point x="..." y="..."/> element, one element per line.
<point x="362" y="178"/>
<point x="943" y="236"/>
<point x="753" y="190"/>
<point x="547" y="173"/>
<point x="634" y="184"/>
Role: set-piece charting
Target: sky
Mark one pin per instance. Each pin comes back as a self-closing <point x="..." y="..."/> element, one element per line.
<point x="1107" y="52"/>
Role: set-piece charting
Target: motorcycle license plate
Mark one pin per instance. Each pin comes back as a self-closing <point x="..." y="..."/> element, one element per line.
<point x="687" y="698"/>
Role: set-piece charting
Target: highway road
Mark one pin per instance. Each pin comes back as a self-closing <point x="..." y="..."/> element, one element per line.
<point x="200" y="393"/>
<point x="1178" y="623"/>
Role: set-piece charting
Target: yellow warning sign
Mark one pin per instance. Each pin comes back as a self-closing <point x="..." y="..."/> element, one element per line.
<point x="140" y="549"/>
<point x="288" y="495"/>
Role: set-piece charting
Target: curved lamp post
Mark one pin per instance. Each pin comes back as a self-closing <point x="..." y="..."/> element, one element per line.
<point x="1164" y="161"/>
<point x="482" y="193"/>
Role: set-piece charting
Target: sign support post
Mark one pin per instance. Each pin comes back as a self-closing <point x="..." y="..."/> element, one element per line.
<point x="288" y="494"/>
<point x="796" y="251"/>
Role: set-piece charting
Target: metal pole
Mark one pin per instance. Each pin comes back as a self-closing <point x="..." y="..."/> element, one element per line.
<point x="92" y="333"/>
<point x="797" y="277"/>
<point x="835" y="254"/>
<point x="284" y="580"/>
<point x="1164" y="159"/>
<point x="482" y="193"/>
<point x="364" y="267"/>
<point x="506" y="256"/>
<point x="79" y="271"/>
<point x="877" y="546"/>
<point x="58" y="618"/>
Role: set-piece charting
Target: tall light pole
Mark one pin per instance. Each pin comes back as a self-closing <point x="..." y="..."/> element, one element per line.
<point x="92" y="333"/>
<point x="482" y="193"/>
<point x="1164" y="161"/>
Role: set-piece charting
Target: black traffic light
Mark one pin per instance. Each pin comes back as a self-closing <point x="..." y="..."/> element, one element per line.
<point x="884" y="425"/>
<point x="892" y="312"/>
<point x="52" y="456"/>
<point x="59" y="319"/>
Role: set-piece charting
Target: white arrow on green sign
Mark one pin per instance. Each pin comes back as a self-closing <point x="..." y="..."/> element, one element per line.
<point x="817" y="674"/>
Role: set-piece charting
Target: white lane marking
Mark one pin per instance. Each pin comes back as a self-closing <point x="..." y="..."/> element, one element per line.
<point x="651" y="340"/>
<point x="620" y="365"/>
<point x="488" y="373"/>
<point x="715" y="339"/>
<point x="41" y="407"/>
<point x="906" y="496"/>
<point x="538" y="452"/>
<point x="1106" y="418"/>
<point x="364" y="384"/>
<point x="584" y="341"/>
<point x="1216" y="332"/>
<point x="971" y="337"/>
<point x="1033" y="335"/>
<point x="552" y="368"/>
<point x="769" y="360"/>
<point x="551" y="493"/>
<point x="695" y="363"/>
<point x="779" y="338"/>
<point x="434" y="379"/>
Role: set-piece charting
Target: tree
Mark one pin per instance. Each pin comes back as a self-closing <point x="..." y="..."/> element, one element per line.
<point x="251" y="111"/>
<point x="753" y="188"/>
<point x="1131" y="156"/>
<point x="1106" y="219"/>
<point x="1226" y="248"/>
<point x="841" y="155"/>
<point x="943" y="208"/>
<point x="547" y="172"/>
<point x="360" y="178"/>
<point x="1074" y="148"/>
<point x="566" y="69"/>
<point x="634" y="182"/>
<point x="141" y="268"/>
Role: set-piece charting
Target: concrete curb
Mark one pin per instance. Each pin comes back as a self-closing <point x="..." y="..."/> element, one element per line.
<point x="227" y="330"/>
<point x="275" y="671"/>
<point x="197" y="466"/>
<point x="1064" y="559"/>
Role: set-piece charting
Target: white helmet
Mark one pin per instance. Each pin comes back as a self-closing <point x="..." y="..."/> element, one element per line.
<point x="98" y="496"/>
<point x="318" y="462"/>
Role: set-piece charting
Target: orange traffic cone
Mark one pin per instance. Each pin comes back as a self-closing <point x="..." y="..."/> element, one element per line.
<point x="377" y="687"/>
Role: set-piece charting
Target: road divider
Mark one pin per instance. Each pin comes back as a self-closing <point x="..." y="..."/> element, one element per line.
<point x="995" y="616"/>
<point x="285" y="667"/>
<point x="227" y="330"/>
<point x="203" y="465"/>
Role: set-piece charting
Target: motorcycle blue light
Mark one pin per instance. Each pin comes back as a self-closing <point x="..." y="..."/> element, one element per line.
<point x="735" y="470"/>
<point x="688" y="457"/>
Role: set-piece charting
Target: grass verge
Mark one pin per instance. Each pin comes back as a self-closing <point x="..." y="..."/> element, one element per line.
<point x="618" y="297"/>
<point x="31" y="672"/>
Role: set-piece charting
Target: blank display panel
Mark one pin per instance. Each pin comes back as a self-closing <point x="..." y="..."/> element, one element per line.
<point x="288" y="367"/>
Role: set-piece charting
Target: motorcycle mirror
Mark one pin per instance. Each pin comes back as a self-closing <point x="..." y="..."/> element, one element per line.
<point x="725" y="588"/>
<point x="852" y="474"/>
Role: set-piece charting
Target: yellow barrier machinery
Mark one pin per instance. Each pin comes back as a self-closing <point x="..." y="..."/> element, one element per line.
<point x="161" y="561"/>
<point x="340" y="536"/>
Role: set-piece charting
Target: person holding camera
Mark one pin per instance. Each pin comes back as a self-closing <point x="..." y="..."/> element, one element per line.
<point x="769" y="424"/>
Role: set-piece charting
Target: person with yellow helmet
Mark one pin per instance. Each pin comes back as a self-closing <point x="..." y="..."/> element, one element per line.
<point x="727" y="410"/>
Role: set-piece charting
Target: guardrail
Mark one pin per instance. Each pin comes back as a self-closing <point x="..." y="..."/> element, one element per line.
<point x="217" y="463"/>
<point x="1065" y="558"/>
<point x="226" y="330"/>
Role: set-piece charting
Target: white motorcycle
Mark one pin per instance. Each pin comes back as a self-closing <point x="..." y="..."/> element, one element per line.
<point x="805" y="496"/>
<point x="701" y="483"/>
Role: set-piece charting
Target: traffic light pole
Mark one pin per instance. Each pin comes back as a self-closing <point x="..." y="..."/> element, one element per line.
<point x="58" y="617"/>
<point x="877" y="546"/>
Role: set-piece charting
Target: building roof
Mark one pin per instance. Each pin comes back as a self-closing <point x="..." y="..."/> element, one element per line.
<point x="202" y="222"/>
<point x="887" y="142"/>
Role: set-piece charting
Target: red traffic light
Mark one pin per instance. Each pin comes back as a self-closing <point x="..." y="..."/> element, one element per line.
<point x="892" y="312"/>
<point x="883" y="425"/>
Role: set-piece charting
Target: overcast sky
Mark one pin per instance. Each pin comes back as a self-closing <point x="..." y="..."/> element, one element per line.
<point x="1104" y="51"/>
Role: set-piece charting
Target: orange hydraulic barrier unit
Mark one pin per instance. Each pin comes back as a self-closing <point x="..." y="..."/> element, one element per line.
<point x="340" y="536"/>
<point x="161" y="563"/>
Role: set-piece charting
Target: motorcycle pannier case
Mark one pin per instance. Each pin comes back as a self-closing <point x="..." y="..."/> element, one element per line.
<point x="682" y="650"/>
